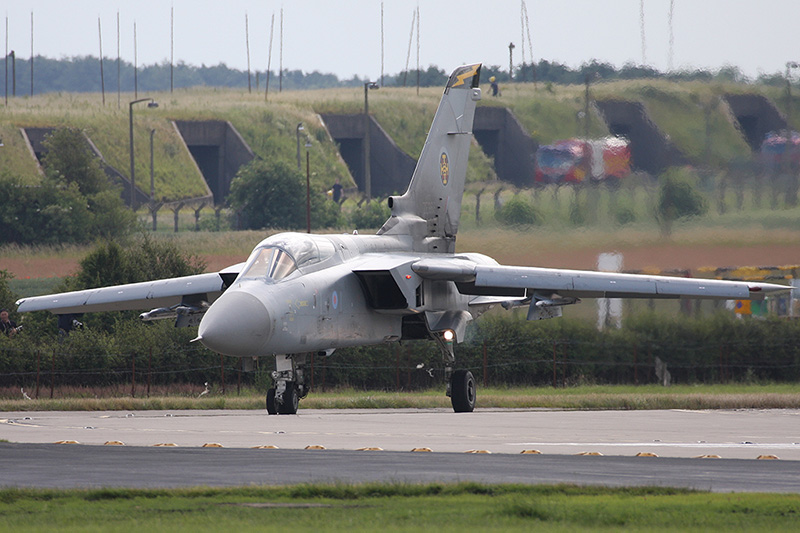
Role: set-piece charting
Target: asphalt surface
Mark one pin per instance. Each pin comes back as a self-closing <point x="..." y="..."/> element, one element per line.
<point x="678" y="437"/>
<point x="76" y="466"/>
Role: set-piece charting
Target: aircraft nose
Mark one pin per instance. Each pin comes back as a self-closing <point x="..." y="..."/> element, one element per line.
<point x="237" y="324"/>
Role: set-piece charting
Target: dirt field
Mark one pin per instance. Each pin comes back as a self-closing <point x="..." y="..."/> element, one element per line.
<point x="663" y="257"/>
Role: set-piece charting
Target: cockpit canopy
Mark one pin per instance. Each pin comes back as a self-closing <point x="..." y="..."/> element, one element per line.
<point x="279" y="256"/>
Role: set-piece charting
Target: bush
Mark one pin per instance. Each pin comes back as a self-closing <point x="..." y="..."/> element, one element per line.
<point x="370" y="215"/>
<point x="268" y="195"/>
<point x="75" y="202"/>
<point x="678" y="198"/>
<point x="7" y="296"/>
<point x="518" y="212"/>
<point x="273" y="195"/>
<point x="714" y="349"/>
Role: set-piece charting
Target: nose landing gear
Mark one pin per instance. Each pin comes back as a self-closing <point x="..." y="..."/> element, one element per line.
<point x="290" y="385"/>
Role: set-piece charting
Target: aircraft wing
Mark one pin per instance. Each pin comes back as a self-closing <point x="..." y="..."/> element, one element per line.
<point x="474" y="278"/>
<point x="162" y="293"/>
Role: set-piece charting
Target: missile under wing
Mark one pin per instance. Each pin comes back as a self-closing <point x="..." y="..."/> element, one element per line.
<point x="299" y="294"/>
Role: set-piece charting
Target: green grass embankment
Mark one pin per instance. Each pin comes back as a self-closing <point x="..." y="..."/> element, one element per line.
<point x="690" y="113"/>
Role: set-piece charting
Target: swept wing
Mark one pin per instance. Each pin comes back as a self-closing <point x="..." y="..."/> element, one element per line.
<point x="473" y="278"/>
<point x="163" y="293"/>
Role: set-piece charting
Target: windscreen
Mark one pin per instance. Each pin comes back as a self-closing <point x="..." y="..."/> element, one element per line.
<point x="280" y="255"/>
<point x="269" y="263"/>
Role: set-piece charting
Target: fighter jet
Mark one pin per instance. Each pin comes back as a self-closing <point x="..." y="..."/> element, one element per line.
<point x="300" y="294"/>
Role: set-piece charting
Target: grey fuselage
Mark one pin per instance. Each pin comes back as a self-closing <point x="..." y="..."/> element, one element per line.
<point x="331" y="303"/>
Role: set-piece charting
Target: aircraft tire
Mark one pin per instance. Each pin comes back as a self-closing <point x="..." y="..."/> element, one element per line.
<point x="291" y="400"/>
<point x="272" y="408"/>
<point x="462" y="391"/>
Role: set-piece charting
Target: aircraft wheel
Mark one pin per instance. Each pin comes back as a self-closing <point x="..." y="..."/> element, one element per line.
<point x="272" y="408"/>
<point x="291" y="400"/>
<point x="462" y="391"/>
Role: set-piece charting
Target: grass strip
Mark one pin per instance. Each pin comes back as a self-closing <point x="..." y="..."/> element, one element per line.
<point x="401" y="507"/>
<point x="583" y="397"/>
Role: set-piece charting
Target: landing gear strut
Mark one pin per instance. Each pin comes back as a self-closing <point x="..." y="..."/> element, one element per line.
<point x="290" y="385"/>
<point x="460" y="384"/>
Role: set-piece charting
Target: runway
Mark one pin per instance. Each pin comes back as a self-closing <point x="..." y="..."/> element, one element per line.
<point x="677" y="437"/>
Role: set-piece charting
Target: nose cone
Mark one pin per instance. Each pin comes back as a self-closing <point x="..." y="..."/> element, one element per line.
<point x="236" y="324"/>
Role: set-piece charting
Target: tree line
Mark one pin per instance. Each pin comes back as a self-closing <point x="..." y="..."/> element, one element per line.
<point x="82" y="74"/>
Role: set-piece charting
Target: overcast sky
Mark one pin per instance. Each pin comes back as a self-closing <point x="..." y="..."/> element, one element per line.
<point x="344" y="36"/>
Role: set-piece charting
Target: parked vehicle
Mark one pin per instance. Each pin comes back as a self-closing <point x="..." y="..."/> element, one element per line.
<point x="578" y="160"/>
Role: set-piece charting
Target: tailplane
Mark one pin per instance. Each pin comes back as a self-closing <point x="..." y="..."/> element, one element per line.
<point x="430" y="209"/>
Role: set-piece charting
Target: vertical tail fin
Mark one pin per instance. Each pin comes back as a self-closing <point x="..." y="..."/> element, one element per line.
<point x="430" y="209"/>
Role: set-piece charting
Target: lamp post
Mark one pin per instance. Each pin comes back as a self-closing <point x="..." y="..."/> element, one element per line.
<point x="367" y="175"/>
<point x="308" y="186"/>
<point x="297" y="135"/>
<point x="511" y="61"/>
<point x="152" y="173"/>
<point x="153" y="210"/>
<point x="151" y="103"/>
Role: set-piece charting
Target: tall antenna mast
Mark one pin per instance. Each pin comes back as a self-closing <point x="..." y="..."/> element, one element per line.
<point x="135" y="64"/>
<point x="641" y="24"/>
<point x="280" y="61"/>
<point x="171" y="46"/>
<point x="410" y="40"/>
<point x="269" y="56"/>
<point x="522" y="37"/>
<point x="381" y="44"/>
<point x="102" y="76"/>
<point x="417" y="49"/>
<point x="31" y="53"/>
<point x="247" y="44"/>
<point x="119" y="86"/>
<point x="527" y="24"/>
<point x="671" y="35"/>
<point x="5" y="93"/>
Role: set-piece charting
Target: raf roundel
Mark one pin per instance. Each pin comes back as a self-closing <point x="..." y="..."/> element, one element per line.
<point x="444" y="168"/>
<point x="335" y="299"/>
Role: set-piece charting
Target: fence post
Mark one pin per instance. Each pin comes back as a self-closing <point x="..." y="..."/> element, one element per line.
<point x="312" y="370"/>
<point x="222" y="372"/>
<point x="149" y="361"/>
<point x="239" y="377"/>
<point x="38" y="358"/>
<point x="133" y="374"/>
<point x="554" y="364"/>
<point x="397" y="368"/>
<point x="635" y="368"/>
<point x="52" y="373"/>
<point x="485" y="367"/>
<point x="408" y="369"/>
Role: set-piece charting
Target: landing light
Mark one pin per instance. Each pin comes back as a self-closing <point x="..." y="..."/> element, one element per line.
<point x="448" y="335"/>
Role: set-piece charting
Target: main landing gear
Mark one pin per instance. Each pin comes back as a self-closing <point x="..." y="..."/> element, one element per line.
<point x="290" y="385"/>
<point x="461" y="383"/>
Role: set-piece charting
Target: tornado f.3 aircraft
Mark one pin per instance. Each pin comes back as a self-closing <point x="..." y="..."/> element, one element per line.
<point x="299" y="294"/>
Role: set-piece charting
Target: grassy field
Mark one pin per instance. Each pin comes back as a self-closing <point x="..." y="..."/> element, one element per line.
<point x="786" y="396"/>
<point x="387" y="507"/>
